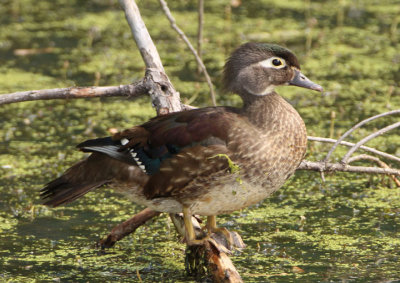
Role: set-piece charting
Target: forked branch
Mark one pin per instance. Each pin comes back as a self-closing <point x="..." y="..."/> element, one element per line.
<point x="377" y="161"/>
<point x="349" y="144"/>
<point x="325" y="166"/>
<point x="358" y="125"/>
<point x="368" y="138"/>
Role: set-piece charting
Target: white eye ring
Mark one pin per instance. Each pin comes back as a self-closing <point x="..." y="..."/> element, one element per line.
<point x="269" y="63"/>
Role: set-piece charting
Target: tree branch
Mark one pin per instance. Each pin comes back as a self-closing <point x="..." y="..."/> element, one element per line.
<point x="350" y="144"/>
<point x="368" y="138"/>
<point x="363" y="122"/>
<point x="165" y="98"/>
<point x="322" y="166"/>
<point x="186" y="40"/>
<point x="376" y="160"/>
<point x="132" y="91"/>
<point x="142" y="37"/>
<point x="127" y="227"/>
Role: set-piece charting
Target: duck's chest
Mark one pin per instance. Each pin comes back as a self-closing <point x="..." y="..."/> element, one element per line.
<point x="270" y="153"/>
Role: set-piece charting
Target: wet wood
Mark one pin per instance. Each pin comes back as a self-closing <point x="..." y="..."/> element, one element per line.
<point x="215" y="253"/>
<point x="127" y="227"/>
<point x="220" y="266"/>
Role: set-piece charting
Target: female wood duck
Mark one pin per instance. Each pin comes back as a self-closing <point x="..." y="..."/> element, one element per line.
<point x="206" y="161"/>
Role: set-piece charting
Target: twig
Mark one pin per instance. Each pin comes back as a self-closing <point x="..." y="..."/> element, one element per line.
<point x="368" y="138"/>
<point x="200" y="31"/>
<point x="186" y="40"/>
<point x="350" y="144"/>
<point x="376" y="160"/>
<point x="132" y="90"/>
<point x="322" y="166"/>
<point x="326" y="159"/>
<point x="166" y="99"/>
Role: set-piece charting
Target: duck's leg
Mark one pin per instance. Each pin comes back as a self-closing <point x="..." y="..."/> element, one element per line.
<point x="189" y="230"/>
<point x="212" y="228"/>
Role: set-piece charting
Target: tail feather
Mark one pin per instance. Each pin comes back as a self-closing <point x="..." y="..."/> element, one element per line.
<point x="78" y="180"/>
<point x="106" y="163"/>
<point x="60" y="192"/>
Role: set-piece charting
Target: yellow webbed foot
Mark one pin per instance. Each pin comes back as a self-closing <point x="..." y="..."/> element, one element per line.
<point x="212" y="228"/>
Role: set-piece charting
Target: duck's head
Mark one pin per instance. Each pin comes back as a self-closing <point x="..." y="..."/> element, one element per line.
<point x="257" y="68"/>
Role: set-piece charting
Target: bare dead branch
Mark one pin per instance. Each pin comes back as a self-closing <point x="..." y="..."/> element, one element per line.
<point x="363" y="122"/>
<point x="186" y="40"/>
<point x="155" y="82"/>
<point x="132" y="91"/>
<point x="165" y="98"/>
<point x="142" y="37"/>
<point x="376" y="160"/>
<point x="368" y="138"/>
<point x="350" y="144"/>
<point x="322" y="166"/>
<point x="200" y="31"/>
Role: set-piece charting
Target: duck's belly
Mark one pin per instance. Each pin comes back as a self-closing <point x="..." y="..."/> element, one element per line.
<point x="224" y="196"/>
<point x="230" y="197"/>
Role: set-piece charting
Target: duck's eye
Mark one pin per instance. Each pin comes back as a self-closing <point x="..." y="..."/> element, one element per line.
<point x="276" y="62"/>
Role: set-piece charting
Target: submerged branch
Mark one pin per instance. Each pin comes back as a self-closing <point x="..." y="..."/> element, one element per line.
<point x="216" y="250"/>
<point x="125" y="228"/>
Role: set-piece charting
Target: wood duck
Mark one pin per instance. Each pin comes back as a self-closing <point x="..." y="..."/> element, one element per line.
<point x="205" y="161"/>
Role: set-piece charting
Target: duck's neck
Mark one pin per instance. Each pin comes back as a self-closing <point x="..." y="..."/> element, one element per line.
<point x="265" y="110"/>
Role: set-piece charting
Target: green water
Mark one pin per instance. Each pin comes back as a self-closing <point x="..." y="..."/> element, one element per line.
<point x="343" y="230"/>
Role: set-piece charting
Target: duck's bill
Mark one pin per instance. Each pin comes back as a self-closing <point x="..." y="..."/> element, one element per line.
<point x="302" y="81"/>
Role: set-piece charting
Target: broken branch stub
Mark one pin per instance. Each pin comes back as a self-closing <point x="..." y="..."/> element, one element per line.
<point x="163" y="95"/>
